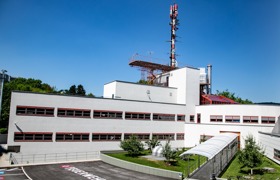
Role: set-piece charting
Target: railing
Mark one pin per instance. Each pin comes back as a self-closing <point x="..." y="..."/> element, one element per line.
<point x="53" y="158"/>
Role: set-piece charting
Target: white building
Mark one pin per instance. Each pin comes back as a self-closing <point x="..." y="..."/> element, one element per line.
<point x="51" y="123"/>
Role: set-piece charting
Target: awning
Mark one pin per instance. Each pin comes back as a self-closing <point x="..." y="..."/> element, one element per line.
<point x="212" y="146"/>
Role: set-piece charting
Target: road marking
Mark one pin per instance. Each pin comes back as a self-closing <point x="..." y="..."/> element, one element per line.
<point x="83" y="173"/>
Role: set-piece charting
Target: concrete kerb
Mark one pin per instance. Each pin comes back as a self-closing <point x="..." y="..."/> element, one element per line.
<point x="139" y="168"/>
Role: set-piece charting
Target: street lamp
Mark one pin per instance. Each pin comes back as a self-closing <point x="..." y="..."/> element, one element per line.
<point x="2" y="86"/>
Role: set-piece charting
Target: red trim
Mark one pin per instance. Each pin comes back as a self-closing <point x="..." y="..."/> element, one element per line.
<point x="36" y="107"/>
<point x="33" y="133"/>
<point x="107" y="111"/>
<point x="73" y="109"/>
<point x="74" y="133"/>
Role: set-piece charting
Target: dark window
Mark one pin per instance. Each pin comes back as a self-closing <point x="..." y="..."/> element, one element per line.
<point x="198" y="118"/>
<point x="34" y="111"/>
<point x="107" y="114"/>
<point x="277" y="154"/>
<point x="164" y="117"/>
<point x="72" y="137"/>
<point x="250" y="119"/>
<point x="181" y="117"/>
<point x="268" y="120"/>
<point x="136" y="115"/>
<point x="164" y="136"/>
<point x="216" y="118"/>
<point x="141" y="136"/>
<point x="180" y="136"/>
<point x="32" y="136"/>
<point x="106" y="137"/>
<point x="80" y="113"/>
<point x="191" y="118"/>
<point x="232" y="119"/>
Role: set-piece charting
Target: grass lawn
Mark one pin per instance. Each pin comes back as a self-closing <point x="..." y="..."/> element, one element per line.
<point x="234" y="170"/>
<point x="181" y="165"/>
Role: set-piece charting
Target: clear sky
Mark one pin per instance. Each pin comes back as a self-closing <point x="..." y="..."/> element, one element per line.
<point x="90" y="42"/>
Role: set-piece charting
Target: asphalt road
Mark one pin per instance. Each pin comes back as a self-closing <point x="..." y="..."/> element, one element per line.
<point x="12" y="174"/>
<point x="96" y="170"/>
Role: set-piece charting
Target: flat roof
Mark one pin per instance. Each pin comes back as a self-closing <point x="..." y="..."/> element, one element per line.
<point x="213" y="146"/>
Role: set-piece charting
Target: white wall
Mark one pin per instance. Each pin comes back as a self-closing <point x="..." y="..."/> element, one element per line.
<point x="269" y="142"/>
<point x="140" y="92"/>
<point x="177" y="79"/>
<point x="110" y="90"/>
<point x="88" y="125"/>
<point x="194" y="130"/>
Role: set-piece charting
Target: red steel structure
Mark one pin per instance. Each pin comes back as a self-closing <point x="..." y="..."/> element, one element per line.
<point x="150" y="67"/>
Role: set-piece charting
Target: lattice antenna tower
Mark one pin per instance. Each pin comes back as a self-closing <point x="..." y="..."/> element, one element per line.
<point x="174" y="22"/>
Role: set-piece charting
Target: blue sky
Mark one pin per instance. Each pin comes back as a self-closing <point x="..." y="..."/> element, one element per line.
<point x="90" y="42"/>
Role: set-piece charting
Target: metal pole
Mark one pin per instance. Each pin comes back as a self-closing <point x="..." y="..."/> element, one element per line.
<point x="1" y="95"/>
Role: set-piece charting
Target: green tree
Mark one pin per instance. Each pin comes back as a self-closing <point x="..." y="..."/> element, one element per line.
<point x="252" y="155"/>
<point x="20" y="84"/>
<point x="142" y="82"/>
<point x="232" y="96"/>
<point x="133" y="146"/>
<point x="72" y="90"/>
<point x="152" y="143"/>
<point x="169" y="154"/>
<point x="81" y="90"/>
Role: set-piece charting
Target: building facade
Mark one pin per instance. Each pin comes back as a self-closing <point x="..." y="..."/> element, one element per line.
<point x="52" y="123"/>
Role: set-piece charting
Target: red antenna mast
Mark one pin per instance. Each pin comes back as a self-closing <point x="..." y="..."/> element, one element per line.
<point x="173" y="23"/>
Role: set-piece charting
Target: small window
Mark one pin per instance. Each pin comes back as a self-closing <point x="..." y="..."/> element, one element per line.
<point x="106" y="137"/>
<point x="181" y="117"/>
<point x="164" y="117"/>
<point x="191" y="118"/>
<point x="250" y="119"/>
<point x="232" y="119"/>
<point x="216" y="118"/>
<point x="268" y="120"/>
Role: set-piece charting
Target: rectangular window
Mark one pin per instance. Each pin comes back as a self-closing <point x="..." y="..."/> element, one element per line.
<point x="33" y="136"/>
<point x="106" y="136"/>
<point x="107" y="114"/>
<point x="72" y="137"/>
<point x="232" y="119"/>
<point x="79" y="113"/>
<point x="216" y="118"/>
<point x="191" y="118"/>
<point x="34" y="111"/>
<point x="181" y="117"/>
<point x="268" y="120"/>
<point x="180" y="136"/>
<point x="277" y="154"/>
<point x="250" y="119"/>
<point x="198" y="118"/>
<point x="137" y="115"/>
<point x="141" y="136"/>
<point x="164" y="136"/>
<point x="164" y="117"/>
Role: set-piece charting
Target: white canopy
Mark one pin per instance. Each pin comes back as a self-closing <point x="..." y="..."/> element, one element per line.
<point x="212" y="146"/>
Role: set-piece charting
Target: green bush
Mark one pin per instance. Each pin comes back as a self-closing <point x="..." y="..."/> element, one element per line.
<point x="133" y="146"/>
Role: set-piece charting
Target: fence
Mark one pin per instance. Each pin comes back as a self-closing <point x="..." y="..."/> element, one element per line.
<point x="53" y="158"/>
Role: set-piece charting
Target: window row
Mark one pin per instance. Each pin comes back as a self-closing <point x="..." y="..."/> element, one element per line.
<point x="75" y="137"/>
<point x="35" y="111"/>
<point x="246" y="119"/>
<point x="86" y="113"/>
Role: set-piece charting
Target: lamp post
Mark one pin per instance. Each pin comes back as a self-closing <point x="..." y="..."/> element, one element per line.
<point x="2" y="86"/>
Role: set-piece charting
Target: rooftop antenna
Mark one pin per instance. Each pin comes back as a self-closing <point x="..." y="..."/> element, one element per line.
<point x="173" y="23"/>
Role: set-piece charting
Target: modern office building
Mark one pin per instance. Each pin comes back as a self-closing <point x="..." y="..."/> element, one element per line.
<point x="179" y="111"/>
